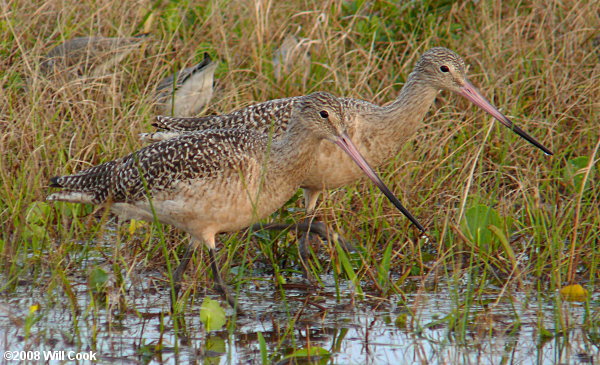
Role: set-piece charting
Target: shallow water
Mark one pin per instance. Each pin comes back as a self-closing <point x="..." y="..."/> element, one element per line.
<point x="425" y="327"/>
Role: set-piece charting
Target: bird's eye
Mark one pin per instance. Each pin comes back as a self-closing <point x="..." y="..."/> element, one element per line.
<point x="324" y="114"/>
<point x="444" y="68"/>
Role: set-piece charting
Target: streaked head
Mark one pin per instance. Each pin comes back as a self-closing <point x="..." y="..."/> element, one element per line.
<point x="444" y="69"/>
<point x="322" y="114"/>
<point x="325" y="116"/>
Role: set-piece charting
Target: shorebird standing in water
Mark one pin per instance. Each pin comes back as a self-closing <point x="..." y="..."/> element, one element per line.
<point x="378" y="131"/>
<point x="217" y="181"/>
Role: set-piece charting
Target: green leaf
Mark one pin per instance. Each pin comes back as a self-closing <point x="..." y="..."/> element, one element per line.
<point x="97" y="279"/>
<point x="216" y="345"/>
<point x="477" y="221"/>
<point x="262" y="345"/>
<point x="401" y="321"/>
<point x="383" y="269"/>
<point x="37" y="212"/>
<point x="311" y="352"/>
<point x="212" y="315"/>
<point x="575" y="171"/>
<point x="35" y="219"/>
<point x="505" y="244"/>
<point x="347" y="266"/>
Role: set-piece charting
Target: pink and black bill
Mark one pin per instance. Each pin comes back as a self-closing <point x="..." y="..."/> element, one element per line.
<point x="471" y="93"/>
<point x="346" y="144"/>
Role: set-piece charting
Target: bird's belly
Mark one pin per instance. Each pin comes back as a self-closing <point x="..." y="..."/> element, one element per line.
<point x="333" y="168"/>
<point x="331" y="173"/>
<point x="218" y="207"/>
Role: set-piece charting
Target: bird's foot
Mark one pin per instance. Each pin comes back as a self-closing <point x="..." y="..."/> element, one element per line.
<point x="226" y="294"/>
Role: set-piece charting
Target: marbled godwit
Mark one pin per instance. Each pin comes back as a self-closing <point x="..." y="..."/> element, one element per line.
<point x="92" y="56"/>
<point x="190" y="93"/>
<point x="378" y="131"/>
<point x="216" y="181"/>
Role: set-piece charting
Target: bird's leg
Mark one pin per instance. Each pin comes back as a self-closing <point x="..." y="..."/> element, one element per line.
<point x="320" y="228"/>
<point x="178" y="273"/>
<point x="307" y="226"/>
<point x="185" y="260"/>
<point x="310" y="201"/>
<point x="220" y="285"/>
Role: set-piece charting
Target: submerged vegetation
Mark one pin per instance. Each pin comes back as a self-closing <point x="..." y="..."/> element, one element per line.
<point x="508" y="227"/>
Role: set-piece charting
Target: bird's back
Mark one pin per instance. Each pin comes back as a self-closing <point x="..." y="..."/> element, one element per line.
<point x="160" y="167"/>
<point x="332" y="168"/>
<point x="270" y="117"/>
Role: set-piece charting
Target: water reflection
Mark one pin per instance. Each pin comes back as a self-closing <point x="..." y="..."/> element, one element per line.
<point x="437" y="327"/>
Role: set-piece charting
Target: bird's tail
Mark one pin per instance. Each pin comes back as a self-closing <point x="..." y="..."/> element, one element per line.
<point x="88" y="186"/>
<point x="158" y="136"/>
<point x="72" y="197"/>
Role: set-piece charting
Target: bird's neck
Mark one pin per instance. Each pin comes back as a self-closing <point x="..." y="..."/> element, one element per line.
<point x="296" y="149"/>
<point x="405" y="114"/>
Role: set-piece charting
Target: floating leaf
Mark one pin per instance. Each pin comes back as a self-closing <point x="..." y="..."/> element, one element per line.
<point x="315" y="353"/>
<point x="147" y="351"/>
<point x="574" y="293"/>
<point x="97" y="279"/>
<point x="401" y="321"/>
<point x="212" y="315"/>
<point x="216" y="346"/>
<point x="544" y="335"/>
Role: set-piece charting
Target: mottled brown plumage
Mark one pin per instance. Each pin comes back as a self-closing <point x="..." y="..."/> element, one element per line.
<point x="215" y="181"/>
<point x="378" y="131"/>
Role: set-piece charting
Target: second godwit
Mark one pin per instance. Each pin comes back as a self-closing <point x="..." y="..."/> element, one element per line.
<point x="378" y="131"/>
<point x="216" y="181"/>
<point x="187" y="92"/>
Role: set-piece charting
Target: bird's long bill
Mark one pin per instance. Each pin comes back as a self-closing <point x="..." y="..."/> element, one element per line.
<point x="470" y="92"/>
<point x="346" y="144"/>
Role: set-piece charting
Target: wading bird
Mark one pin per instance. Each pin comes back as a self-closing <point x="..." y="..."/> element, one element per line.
<point x="217" y="181"/>
<point x="378" y="131"/>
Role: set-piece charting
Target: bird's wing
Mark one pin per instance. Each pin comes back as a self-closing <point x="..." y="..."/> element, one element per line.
<point x="159" y="167"/>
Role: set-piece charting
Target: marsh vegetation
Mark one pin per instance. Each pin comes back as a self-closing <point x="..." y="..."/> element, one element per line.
<point x="508" y="227"/>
